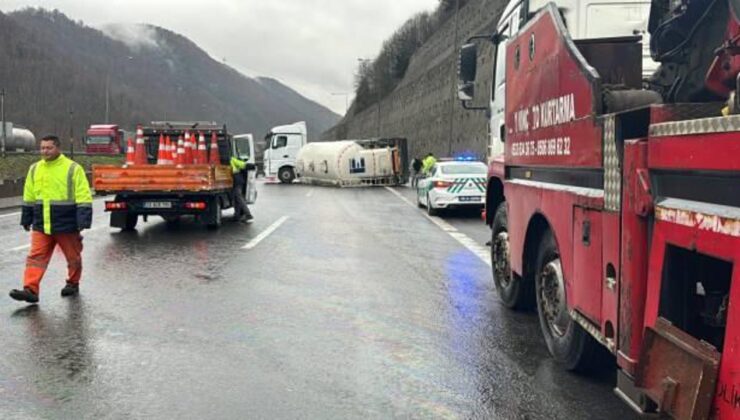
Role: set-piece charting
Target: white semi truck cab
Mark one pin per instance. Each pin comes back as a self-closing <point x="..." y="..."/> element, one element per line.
<point x="283" y="144"/>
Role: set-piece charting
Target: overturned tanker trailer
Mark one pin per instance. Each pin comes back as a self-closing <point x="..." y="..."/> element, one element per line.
<point x="354" y="163"/>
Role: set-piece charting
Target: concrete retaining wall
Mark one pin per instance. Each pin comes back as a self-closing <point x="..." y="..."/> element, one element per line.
<point x="11" y="188"/>
<point x="424" y="107"/>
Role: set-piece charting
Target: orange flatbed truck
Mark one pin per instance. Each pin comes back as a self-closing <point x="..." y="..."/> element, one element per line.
<point x="169" y="191"/>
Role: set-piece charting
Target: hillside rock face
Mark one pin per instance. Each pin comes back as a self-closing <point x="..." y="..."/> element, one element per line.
<point x="56" y="73"/>
<point x="424" y="107"/>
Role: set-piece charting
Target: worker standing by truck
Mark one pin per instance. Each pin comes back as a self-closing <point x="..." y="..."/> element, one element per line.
<point x="241" y="210"/>
<point x="57" y="205"/>
<point x="416" y="167"/>
<point x="427" y="164"/>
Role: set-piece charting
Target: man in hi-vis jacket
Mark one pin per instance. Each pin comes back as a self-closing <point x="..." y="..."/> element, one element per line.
<point x="57" y="205"/>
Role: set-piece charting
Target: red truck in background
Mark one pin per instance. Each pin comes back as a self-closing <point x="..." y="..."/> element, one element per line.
<point x="106" y="139"/>
<point x="614" y="204"/>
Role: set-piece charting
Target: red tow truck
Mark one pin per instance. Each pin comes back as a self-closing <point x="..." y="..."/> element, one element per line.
<point x="106" y="139"/>
<point x="614" y="204"/>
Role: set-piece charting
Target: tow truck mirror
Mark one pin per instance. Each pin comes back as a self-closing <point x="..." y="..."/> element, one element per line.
<point x="466" y="71"/>
<point x="498" y="38"/>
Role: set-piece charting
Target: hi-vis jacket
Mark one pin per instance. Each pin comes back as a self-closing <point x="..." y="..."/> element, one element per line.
<point x="237" y="165"/>
<point x="427" y="164"/>
<point x="56" y="197"/>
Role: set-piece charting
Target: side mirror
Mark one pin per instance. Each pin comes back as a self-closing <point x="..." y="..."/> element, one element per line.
<point x="498" y="38"/>
<point x="466" y="71"/>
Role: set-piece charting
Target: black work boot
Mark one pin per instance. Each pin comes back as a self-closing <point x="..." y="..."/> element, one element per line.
<point x="25" y="295"/>
<point x="70" y="290"/>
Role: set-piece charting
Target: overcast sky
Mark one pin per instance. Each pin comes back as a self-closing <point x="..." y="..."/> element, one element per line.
<point x="310" y="45"/>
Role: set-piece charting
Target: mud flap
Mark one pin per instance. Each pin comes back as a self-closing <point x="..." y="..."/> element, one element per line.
<point x="677" y="371"/>
<point x="118" y="219"/>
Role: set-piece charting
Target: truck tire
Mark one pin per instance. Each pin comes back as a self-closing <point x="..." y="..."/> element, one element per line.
<point x="568" y="343"/>
<point x="286" y="175"/>
<point x="131" y="220"/>
<point x="514" y="291"/>
<point x="215" y="219"/>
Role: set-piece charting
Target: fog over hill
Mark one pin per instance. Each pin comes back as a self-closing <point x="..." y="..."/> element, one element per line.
<point x="56" y="73"/>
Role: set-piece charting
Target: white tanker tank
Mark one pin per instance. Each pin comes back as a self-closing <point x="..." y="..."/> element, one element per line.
<point x="347" y="163"/>
<point x="17" y="139"/>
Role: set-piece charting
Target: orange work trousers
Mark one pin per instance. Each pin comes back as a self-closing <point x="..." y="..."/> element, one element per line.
<point x="42" y="248"/>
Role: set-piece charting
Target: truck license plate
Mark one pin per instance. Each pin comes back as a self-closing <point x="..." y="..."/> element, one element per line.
<point x="157" y="205"/>
<point x="470" y="198"/>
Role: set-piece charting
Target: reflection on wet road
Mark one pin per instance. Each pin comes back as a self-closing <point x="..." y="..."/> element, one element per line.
<point x="333" y="304"/>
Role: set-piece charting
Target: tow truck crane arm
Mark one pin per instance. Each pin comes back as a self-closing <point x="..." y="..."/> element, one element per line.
<point x="696" y="42"/>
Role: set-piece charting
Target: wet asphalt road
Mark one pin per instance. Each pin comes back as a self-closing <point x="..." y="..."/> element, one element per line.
<point x="355" y="306"/>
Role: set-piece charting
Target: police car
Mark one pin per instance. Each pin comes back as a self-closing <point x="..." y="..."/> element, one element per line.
<point x="454" y="183"/>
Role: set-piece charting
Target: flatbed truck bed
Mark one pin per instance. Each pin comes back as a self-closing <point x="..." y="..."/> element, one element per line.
<point x="169" y="191"/>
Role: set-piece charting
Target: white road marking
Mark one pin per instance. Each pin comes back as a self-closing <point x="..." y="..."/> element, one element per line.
<point x="310" y="193"/>
<point x="28" y="245"/>
<point x="10" y="214"/>
<point x="20" y="248"/>
<point x="478" y="250"/>
<point x="265" y="233"/>
<point x="96" y="199"/>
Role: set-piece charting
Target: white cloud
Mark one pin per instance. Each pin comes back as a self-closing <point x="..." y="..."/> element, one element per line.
<point x="134" y="35"/>
<point x="311" y="45"/>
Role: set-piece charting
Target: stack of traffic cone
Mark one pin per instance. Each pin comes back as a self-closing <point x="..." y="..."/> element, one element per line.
<point x="180" y="152"/>
<point x="130" y="152"/>
<point x="215" y="157"/>
<point x="172" y="149"/>
<point x="140" y="151"/>
<point x="188" y="148"/>
<point x="166" y="152"/>
<point x="161" y="151"/>
<point x="196" y="156"/>
<point x="202" y="154"/>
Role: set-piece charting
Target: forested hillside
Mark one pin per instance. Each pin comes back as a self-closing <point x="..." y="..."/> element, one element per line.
<point x="56" y="73"/>
<point x="376" y="78"/>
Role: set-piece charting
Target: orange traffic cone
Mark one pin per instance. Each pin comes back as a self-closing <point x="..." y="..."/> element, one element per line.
<point x="188" y="148"/>
<point x="171" y="148"/>
<point x="166" y="151"/>
<point x="202" y="152"/>
<point x="215" y="158"/>
<point x="180" y="151"/>
<point x="130" y="152"/>
<point x="140" y="151"/>
<point x="161" y="151"/>
<point x="190" y="151"/>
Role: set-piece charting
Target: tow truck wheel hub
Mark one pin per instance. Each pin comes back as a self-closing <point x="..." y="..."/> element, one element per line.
<point x="553" y="303"/>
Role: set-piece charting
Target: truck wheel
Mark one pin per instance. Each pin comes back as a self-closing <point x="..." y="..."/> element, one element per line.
<point x="430" y="209"/>
<point x="215" y="221"/>
<point x="286" y="175"/>
<point x="131" y="220"/>
<point x="568" y="343"/>
<point x="515" y="292"/>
